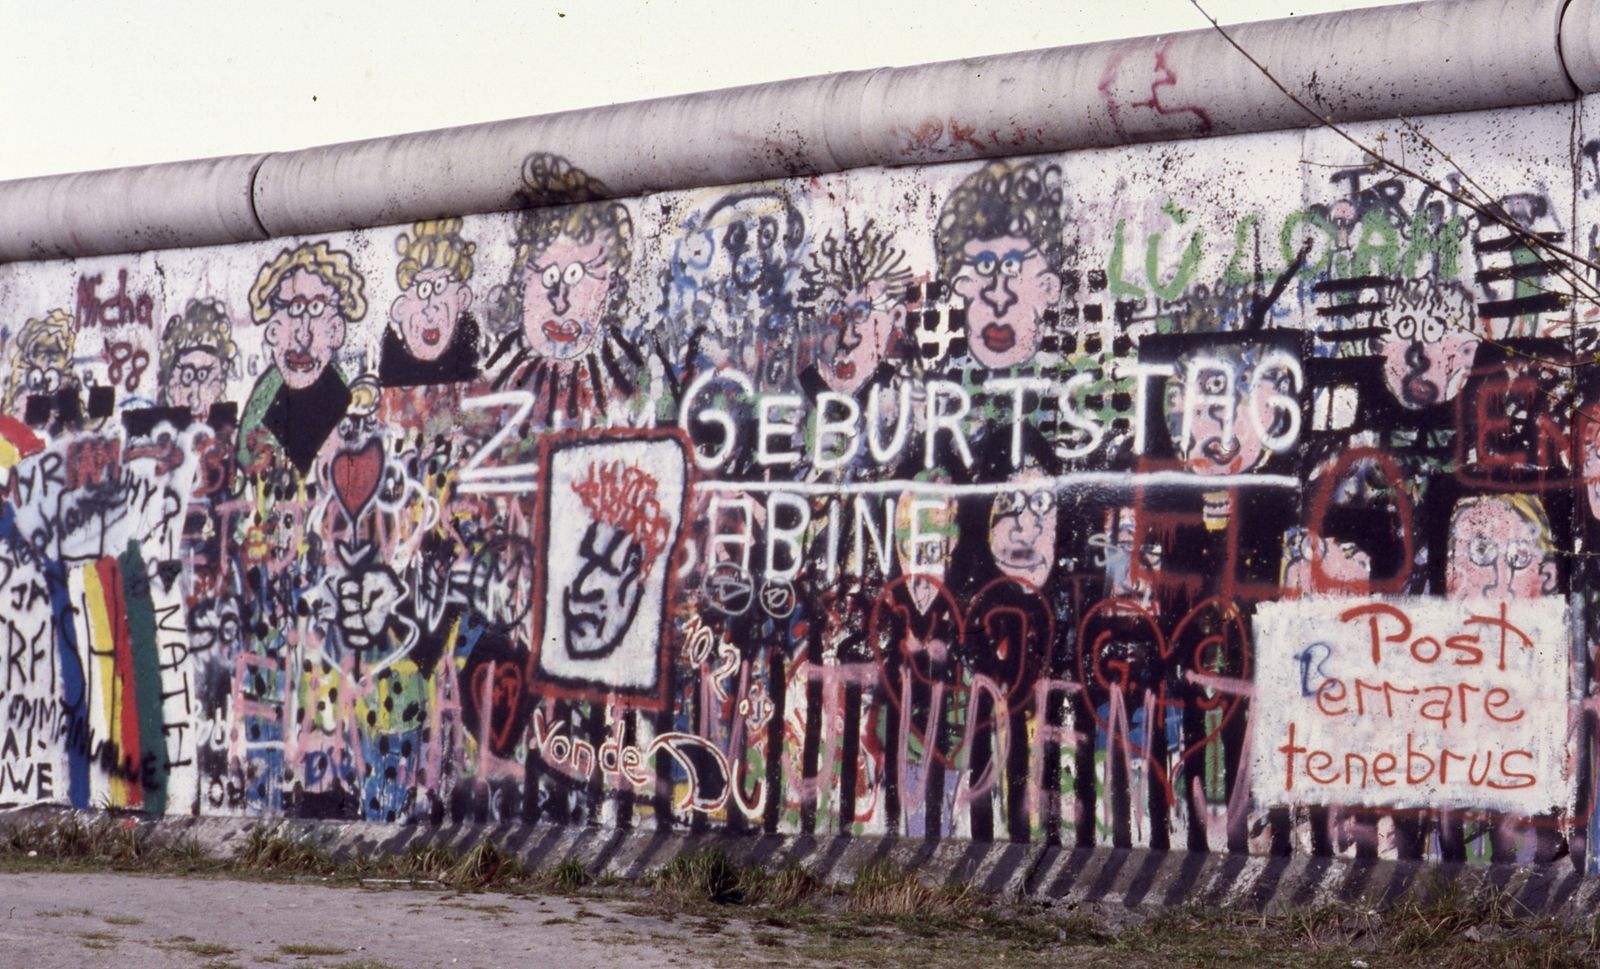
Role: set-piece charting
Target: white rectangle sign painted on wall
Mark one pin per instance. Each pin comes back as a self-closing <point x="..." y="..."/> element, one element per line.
<point x="1412" y="702"/>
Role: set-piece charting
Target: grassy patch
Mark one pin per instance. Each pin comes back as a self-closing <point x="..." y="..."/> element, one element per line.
<point x="311" y="949"/>
<point x="207" y="948"/>
<point x="707" y="875"/>
<point x="124" y="920"/>
<point x="100" y="936"/>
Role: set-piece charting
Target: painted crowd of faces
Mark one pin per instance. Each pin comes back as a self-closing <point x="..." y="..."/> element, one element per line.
<point x="537" y="447"/>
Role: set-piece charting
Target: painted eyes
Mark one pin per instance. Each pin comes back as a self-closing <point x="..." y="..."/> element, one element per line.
<point x="1009" y="264"/>
<point x="427" y="289"/>
<point x="1485" y="551"/>
<point x="1429" y="329"/>
<point x="553" y="275"/>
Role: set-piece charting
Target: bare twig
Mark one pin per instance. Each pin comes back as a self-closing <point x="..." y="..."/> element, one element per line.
<point x="1489" y="210"/>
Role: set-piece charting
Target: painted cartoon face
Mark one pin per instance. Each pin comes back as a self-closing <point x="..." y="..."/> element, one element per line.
<point x="1589" y="442"/>
<point x="1131" y="561"/>
<point x="1426" y="358"/>
<point x="564" y="293"/>
<point x="1022" y="528"/>
<point x="730" y="276"/>
<point x="600" y="604"/>
<point x="306" y="328"/>
<point x="856" y="336"/>
<point x="1007" y="284"/>
<point x="1495" y="553"/>
<point x="426" y="313"/>
<point x="1226" y="416"/>
<point x="925" y="536"/>
<point x="195" y="381"/>
<point x="1319" y="566"/>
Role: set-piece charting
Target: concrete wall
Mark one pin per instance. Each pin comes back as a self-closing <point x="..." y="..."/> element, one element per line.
<point x="1228" y="494"/>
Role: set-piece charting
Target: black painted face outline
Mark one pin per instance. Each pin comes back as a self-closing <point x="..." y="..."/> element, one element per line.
<point x="595" y="614"/>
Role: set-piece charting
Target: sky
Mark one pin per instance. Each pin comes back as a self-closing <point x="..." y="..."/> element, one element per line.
<point x="102" y="84"/>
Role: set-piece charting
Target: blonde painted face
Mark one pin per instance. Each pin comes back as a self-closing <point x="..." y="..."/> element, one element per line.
<point x="426" y="313"/>
<point x="1496" y="553"/>
<point x="306" y="328"/>
<point x="564" y="294"/>
<point x="196" y="381"/>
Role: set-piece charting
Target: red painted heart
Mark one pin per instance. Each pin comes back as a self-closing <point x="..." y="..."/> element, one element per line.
<point x="356" y="475"/>
<point x="1213" y="634"/>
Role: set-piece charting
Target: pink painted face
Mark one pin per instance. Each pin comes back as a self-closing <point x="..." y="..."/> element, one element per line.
<point x="1007" y="285"/>
<point x="1221" y="427"/>
<point x="1495" y="554"/>
<point x="426" y="313"/>
<point x="195" y="382"/>
<point x="1022" y="528"/>
<point x="856" y="337"/>
<point x="1323" y="566"/>
<point x="564" y="294"/>
<point x="1589" y="442"/>
<point x="1426" y="359"/>
<point x="925" y="538"/>
<point x="305" y="329"/>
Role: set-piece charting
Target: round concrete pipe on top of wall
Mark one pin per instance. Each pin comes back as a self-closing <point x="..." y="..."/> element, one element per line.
<point x="1408" y="59"/>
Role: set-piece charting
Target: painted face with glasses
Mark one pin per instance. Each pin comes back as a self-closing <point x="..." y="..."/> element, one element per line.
<point x="564" y="294"/>
<point x="1007" y="285"/>
<point x="426" y="313"/>
<point x="1427" y="354"/>
<point x="1499" y="549"/>
<point x="306" y="328"/>
<point x="196" y="381"/>
<point x="1022" y="528"/>
<point x="856" y="336"/>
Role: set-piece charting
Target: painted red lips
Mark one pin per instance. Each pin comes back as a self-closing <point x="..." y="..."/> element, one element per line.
<point x="567" y="331"/>
<point x="999" y="337"/>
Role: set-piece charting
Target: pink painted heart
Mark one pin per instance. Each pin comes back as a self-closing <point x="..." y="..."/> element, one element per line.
<point x="356" y="475"/>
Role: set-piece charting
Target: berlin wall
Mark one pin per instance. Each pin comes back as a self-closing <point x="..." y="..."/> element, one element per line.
<point x="1231" y="494"/>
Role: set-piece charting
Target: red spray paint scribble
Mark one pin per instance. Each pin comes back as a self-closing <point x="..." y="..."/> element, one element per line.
<point x="1163" y="76"/>
<point x="625" y="497"/>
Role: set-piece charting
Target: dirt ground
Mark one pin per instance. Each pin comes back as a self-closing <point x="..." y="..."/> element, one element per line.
<point x="50" y="920"/>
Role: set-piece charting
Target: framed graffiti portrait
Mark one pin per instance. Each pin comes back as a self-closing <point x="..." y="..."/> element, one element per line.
<point x="613" y="510"/>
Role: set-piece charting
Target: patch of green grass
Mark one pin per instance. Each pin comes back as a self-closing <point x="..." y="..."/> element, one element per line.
<point x="271" y="850"/>
<point x="363" y="964"/>
<point x="312" y="949"/>
<point x="567" y="877"/>
<point x="124" y="920"/>
<point x="100" y="936"/>
<point x="707" y="875"/>
<point x="207" y="948"/>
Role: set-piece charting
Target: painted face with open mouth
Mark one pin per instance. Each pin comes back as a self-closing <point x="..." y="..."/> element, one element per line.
<point x="858" y="329"/>
<point x="1007" y="285"/>
<point x="564" y="293"/>
<point x="426" y="313"/>
<point x="306" y="328"/>
<point x="1425" y="361"/>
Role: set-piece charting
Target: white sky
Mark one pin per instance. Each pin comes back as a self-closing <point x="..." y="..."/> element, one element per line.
<point x="104" y="84"/>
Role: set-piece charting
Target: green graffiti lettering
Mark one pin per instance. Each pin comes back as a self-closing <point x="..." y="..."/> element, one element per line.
<point x="1119" y="286"/>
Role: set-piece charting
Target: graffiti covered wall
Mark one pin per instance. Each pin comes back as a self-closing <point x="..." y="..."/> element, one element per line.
<point x="1222" y="495"/>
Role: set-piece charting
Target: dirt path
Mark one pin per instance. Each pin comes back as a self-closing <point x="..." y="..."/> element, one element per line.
<point x="73" y="920"/>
